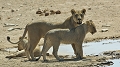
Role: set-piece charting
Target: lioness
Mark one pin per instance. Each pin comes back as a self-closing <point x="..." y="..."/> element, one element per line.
<point x="21" y="47"/>
<point x="37" y="30"/>
<point x="67" y="36"/>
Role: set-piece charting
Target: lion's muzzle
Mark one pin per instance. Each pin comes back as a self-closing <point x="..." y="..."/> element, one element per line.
<point x="80" y="21"/>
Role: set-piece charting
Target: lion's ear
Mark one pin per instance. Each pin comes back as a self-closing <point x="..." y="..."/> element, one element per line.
<point x="87" y="22"/>
<point x="83" y="11"/>
<point x="90" y="20"/>
<point x="25" y="37"/>
<point x="73" y="11"/>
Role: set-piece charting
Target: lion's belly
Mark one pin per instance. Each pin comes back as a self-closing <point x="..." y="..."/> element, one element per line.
<point x="67" y="41"/>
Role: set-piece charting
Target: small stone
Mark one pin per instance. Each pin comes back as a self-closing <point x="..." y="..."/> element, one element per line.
<point x="17" y="9"/>
<point x="89" y="8"/>
<point x="10" y="29"/>
<point x="8" y="18"/>
<point x="75" y="4"/>
<point x="52" y="12"/>
<point x="20" y="14"/>
<point x="44" y="11"/>
<point x="107" y="63"/>
<point x="21" y="5"/>
<point x="12" y="10"/>
<point x="104" y="30"/>
<point x="46" y="14"/>
<point x="2" y="7"/>
<point x="8" y="24"/>
<point x="18" y="18"/>
<point x="39" y="12"/>
<point x="105" y="25"/>
<point x="58" y="12"/>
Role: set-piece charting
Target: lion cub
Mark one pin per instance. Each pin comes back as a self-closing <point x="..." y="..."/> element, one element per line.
<point x="76" y="35"/>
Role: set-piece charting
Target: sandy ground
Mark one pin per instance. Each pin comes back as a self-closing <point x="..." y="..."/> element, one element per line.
<point x="104" y="13"/>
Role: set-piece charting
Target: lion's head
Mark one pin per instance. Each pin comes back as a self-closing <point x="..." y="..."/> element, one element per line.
<point x="91" y="27"/>
<point x="22" y="44"/>
<point x="78" y="15"/>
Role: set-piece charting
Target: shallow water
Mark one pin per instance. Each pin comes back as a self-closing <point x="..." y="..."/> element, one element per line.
<point x="104" y="45"/>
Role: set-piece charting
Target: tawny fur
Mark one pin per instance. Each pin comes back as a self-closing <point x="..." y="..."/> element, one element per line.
<point x="37" y="30"/>
<point x="67" y="36"/>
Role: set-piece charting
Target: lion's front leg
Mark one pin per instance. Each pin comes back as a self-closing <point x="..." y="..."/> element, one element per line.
<point x="79" y="51"/>
<point x="73" y="46"/>
<point x="27" y="54"/>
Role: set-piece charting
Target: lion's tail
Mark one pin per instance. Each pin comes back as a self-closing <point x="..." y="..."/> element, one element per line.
<point x="44" y="47"/>
<point x="25" y="31"/>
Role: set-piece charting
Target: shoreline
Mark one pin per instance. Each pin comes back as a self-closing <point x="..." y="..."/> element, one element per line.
<point x="102" y="38"/>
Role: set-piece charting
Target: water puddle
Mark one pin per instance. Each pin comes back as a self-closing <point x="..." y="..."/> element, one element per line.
<point x="91" y="48"/>
<point x="104" y="45"/>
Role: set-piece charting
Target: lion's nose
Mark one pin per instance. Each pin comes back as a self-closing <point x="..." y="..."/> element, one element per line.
<point x="79" y="19"/>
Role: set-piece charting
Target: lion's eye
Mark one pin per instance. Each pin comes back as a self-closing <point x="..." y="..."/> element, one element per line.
<point x="81" y="15"/>
<point x="76" y="14"/>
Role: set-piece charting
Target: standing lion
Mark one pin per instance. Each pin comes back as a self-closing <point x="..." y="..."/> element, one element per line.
<point x="67" y="36"/>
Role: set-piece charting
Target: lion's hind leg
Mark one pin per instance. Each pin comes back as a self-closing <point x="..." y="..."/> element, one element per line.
<point x="33" y="45"/>
<point x="33" y="41"/>
<point x="27" y="54"/>
<point x="46" y="47"/>
<point x="27" y="51"/>
<point x="79" y="51"/>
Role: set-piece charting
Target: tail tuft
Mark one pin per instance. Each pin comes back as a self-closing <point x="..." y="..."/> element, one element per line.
<point x="8" y="38"/>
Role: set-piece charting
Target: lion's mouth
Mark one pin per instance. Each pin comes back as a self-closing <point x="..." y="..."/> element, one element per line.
<point x="93" y="32"/>
<point x="80" y="22"/>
